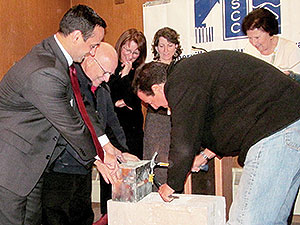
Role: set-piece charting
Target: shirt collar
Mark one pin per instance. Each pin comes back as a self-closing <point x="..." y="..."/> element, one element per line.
<point x="66" y="54"/>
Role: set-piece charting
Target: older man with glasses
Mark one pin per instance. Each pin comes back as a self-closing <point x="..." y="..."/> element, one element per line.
<point x="66" y="197"/>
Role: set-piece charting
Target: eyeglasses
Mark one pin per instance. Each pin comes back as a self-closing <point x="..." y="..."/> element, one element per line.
<point x="107" y="73"/>
<point x="133" y="53"/>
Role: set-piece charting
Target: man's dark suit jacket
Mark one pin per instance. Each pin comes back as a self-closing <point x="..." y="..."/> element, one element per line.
<point x="104" y="108"/>
<point x="101" y="112"/>
<point x="35" y="110"/>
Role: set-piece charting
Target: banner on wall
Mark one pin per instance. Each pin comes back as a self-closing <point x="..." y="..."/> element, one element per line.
<point x="215" y="24"/>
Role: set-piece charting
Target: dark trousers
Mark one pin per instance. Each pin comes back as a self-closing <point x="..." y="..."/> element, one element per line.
<point x="105" y="195"/>
<point x="66" y="199"/>
<point x="16" y="210"/>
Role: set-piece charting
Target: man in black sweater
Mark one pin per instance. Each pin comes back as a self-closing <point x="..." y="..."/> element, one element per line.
<point x="232" y="104"/>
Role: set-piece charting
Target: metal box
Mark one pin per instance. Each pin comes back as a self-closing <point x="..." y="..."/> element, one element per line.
<point x="134" y="183"/>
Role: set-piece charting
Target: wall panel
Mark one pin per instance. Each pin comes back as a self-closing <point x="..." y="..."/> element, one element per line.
<point x="119" y="17"/>
<point x="24" y="24"/>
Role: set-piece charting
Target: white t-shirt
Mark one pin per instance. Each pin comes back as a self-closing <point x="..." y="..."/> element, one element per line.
<point x="285" y="57"/>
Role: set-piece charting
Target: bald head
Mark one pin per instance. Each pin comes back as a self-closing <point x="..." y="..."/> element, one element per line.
<point x="100" y="66"/>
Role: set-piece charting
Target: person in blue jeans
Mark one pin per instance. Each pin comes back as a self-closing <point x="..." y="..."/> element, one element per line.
<point x="233" y="104"/>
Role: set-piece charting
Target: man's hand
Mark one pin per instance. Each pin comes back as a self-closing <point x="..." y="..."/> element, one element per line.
<point x="129" y="157"/>
<point x="199" y="160"/>
<point x="109" y="148"/>
<point x="111" y="162"/>
<point x="106" y="173"/>
<point x="165" y="192"/>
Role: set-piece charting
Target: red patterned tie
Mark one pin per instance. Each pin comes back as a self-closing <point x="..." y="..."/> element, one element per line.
<point x="82" y="110"/>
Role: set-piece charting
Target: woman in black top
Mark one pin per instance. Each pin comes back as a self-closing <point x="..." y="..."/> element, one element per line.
<point x="132" y="50"/>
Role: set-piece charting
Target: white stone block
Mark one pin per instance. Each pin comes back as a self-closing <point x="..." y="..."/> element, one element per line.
<point x="152" y="210"/>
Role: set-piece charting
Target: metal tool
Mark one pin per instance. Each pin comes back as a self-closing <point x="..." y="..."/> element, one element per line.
<point x="153" y="164"/>
<point x="152" y="177"/>
<point x="204" y="167"/>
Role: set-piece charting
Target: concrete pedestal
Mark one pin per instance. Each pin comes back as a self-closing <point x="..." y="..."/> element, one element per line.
<point x="152" y="210"/>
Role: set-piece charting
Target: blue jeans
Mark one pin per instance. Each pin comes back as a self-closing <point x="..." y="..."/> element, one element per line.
<point x="270" y="180"/>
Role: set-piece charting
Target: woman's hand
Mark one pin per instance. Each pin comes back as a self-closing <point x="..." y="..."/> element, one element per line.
<point x="127" y="67"/>
<point x="120" y="103"/>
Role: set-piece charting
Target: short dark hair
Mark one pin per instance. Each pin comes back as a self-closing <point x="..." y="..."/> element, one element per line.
<point x="149" y="74"/>
<point x="139" y="38"/>
<point x="80" y="17"/>
<point x="261" y="18"/>
<point x="171" y="36"/>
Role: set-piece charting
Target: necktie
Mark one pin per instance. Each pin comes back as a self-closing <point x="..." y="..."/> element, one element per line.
<point x="93" y="89"/>
<point x="82" y="110"/>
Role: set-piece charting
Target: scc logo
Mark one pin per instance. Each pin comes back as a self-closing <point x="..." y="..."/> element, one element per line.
<point x="233" y="12"/>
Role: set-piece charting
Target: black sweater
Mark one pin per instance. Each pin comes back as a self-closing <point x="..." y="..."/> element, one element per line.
<point x="225" y="101"/>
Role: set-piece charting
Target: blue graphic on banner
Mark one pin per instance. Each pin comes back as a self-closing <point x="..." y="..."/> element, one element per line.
<point x="235" y="11"/>
<point x="204" y="34"/>
<point x="273" y="6"/>
<point x="202" y="9"/>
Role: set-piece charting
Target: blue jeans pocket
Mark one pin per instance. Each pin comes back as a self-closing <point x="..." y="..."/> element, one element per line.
<point x="292" y="138"/>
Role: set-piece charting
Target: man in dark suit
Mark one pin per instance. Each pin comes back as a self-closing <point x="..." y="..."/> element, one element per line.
<point x="233" y="104"/>
<point x="36" y="116"/>
<point x="96" y="91"/>
<point x="66" y="195"/>
<point x="94" y="67"/>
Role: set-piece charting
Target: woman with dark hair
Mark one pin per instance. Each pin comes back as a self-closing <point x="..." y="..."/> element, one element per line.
<point x="261" y="27"/>
<point x="166" y="48"/>
<point x="132" y="50"/>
